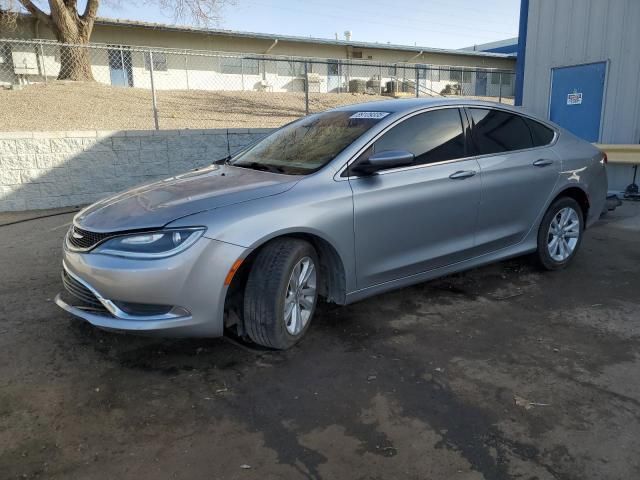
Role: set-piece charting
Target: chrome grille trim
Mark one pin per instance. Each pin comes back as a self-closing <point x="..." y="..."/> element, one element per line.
<point x="83" y="240"/>
<point x="80" y="292"/>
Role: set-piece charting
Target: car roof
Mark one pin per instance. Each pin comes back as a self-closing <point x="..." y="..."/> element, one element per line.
<point x="406" y="105"/>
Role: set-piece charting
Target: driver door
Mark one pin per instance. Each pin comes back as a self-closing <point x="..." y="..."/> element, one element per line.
<point x="416" y="218"/>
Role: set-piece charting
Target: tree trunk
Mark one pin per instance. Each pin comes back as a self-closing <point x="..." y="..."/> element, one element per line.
<point x="70" y="28"/>
<point x="75" y="61"/>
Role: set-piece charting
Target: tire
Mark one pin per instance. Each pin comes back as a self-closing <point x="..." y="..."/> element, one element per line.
<point x="567" y="235"/>
<point x="270" y="289"/>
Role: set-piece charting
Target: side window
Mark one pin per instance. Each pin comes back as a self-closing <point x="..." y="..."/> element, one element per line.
<point x="540" y="134"/>
<point x="432" y="137"/>
<point x="495" y="131"/>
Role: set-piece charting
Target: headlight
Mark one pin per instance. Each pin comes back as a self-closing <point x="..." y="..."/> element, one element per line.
<point x="158" y="244"/>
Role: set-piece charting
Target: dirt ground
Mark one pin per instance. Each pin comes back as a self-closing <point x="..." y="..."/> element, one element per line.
<point x="95" y="106"/>
<point x="86" y="106"/>
<point x="503" y="372"/>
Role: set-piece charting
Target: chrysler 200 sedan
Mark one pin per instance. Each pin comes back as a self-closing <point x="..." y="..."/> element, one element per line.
<point x="342" y="205"/>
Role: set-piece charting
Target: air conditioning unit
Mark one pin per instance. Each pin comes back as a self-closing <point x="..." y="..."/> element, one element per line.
<point x="25" y="63"/>
<point x="314" y="77"/>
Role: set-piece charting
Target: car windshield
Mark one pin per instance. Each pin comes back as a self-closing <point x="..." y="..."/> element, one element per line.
<point x="308" y="144"/>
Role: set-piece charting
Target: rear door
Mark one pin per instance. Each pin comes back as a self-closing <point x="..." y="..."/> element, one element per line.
<point x="412" y="219"/>
<point x="519" y="171"/>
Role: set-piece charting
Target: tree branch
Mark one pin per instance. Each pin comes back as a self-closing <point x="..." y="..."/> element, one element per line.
<point x="91" y="10"/>
<point x="35" y="11"/>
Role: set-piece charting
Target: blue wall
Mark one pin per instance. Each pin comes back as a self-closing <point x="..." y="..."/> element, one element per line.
<point x="522" y="47"/>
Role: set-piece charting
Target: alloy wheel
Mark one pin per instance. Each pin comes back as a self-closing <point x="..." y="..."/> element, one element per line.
<point x="301" y="296"/>
<point x="563" y="235"/>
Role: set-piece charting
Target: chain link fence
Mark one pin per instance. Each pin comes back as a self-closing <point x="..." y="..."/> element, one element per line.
<point x="144" y="88"/>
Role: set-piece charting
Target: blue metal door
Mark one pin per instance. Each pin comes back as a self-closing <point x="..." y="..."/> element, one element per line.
<point x="481" y="83"/>
<point x="120" y="67"/>
<point x="576" y="98"/>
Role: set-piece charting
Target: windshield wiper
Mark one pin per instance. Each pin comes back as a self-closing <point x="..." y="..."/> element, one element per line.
<point x="223" y="161"/>
<point x="261" y="166"/>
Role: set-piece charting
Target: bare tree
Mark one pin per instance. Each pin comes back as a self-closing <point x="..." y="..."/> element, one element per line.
<point x="74" y="27"/>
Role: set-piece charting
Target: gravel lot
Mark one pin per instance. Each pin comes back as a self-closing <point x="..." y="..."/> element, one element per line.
<point x="95" y="106"/>
<point x="503" y="372"/>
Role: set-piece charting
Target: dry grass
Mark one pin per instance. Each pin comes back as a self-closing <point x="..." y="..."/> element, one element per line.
<point x="95" y="106"/>
<point x="88" y="106"/>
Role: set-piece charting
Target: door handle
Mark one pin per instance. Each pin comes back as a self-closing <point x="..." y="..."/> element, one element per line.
<point x="543" y="162"/>
<point x="459" y="175"/>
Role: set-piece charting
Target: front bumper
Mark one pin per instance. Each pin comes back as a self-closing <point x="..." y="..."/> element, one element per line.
<point x="192" y="282"/>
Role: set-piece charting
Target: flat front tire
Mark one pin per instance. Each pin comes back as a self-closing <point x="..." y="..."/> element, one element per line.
<point x="560" y="234"/>
<point x="281" y="293"/>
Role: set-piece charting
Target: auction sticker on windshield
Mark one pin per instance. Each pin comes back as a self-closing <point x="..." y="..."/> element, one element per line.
<point x="375" y="115"/>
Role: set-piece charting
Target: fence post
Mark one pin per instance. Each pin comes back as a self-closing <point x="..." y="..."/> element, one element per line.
<point x="125" y="76"/>
<point x="153" y="92"/>
<point x="306" y="88"/>
<point x="44" y="67"/>
<point x="500" y="88"/>
<point x="186" y="68"/>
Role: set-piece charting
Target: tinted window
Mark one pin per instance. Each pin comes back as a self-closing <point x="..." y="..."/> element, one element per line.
<point x="432" y="137"/>
<point x="540" y="134"/>
<point x="495" y="131"/>
<point x="308" y="144"/>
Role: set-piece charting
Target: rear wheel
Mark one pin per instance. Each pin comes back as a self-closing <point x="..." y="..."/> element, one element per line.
<point x="281" y="293"/>
<point x="560" y="234"/>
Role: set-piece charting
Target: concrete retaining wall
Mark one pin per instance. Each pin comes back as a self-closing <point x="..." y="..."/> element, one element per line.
<point x="59" y="169"/>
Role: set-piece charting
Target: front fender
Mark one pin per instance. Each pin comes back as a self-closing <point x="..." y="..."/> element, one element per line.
<point x="322" y="209"/>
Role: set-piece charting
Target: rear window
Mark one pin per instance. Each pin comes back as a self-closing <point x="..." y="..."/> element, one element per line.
<point x="540" y="134"/>
<point x="495" y="131"/>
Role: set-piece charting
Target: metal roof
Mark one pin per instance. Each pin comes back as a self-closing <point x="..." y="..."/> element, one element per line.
<point x="288" y="38"/>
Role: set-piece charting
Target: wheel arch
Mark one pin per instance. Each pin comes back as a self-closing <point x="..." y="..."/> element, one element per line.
<point x="333" y="274"/>
<point x="579" y="195"/>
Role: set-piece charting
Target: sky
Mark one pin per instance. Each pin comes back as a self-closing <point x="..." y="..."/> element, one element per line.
<point x="426" y="23"/>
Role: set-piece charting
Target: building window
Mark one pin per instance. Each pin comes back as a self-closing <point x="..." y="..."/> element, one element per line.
<point x="159" y="61"/>
<point x="356" y="55"/>
<point x="433" y="75"/>
<point x="460" y="76"/>
<point x="240" y="66"/>
<point x="506" y="79"/>
<point x="296" y="69"/>
<point x="392" y="71"/>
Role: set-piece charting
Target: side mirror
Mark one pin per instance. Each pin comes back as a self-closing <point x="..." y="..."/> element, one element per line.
<point x="383" y="161"/>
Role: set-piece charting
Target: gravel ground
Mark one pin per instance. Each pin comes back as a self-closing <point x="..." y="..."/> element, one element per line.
<point x="95" y="106"/>
<point x="503" y="372"/>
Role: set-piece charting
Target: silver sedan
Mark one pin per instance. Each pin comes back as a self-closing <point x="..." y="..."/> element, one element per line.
<point x="342" y="205"/>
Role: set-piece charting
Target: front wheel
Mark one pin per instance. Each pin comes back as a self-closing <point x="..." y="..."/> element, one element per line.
<point x="281" y="293"/>
<point x="560" y="234"/>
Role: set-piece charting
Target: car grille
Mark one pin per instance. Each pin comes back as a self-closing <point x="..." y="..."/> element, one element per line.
<point x="84" y="239"/>
<point x="81" y="293"/>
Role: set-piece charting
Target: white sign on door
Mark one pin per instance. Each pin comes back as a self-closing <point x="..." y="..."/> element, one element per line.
<point x="574" y="98"/>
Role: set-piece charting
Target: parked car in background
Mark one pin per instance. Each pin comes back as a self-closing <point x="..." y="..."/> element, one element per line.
<point x="343" y="205"/>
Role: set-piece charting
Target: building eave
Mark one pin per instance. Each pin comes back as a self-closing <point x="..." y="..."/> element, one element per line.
<point x="111" y="22"/>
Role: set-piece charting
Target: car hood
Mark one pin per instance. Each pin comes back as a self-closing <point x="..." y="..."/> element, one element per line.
<point x="156" y="204"/>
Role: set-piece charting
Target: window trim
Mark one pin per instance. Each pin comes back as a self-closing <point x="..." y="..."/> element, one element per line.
<point x="147" y="61"/>
<point x="342" y="171"/>
<point x="484" y="155"/>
